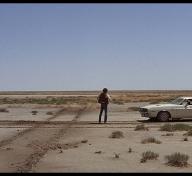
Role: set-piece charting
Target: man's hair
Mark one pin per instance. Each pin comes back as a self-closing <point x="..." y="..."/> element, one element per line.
<point x="105" y="90"/>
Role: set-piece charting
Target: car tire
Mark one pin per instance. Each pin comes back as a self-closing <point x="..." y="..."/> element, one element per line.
<point x="163" y="116"/>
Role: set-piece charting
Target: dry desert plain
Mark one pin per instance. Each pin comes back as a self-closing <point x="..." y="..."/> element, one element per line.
<point x="59" y="132"/>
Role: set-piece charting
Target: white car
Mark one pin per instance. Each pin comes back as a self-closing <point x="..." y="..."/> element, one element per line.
<point x="179" y="108"/>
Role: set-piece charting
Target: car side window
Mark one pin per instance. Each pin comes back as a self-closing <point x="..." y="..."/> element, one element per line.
<point x="190" y="101"/>
<point x="187" y="102"/>
<point x="184" y="102"/>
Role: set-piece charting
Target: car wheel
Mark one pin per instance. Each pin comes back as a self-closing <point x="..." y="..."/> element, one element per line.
<point x="163" y="116"/>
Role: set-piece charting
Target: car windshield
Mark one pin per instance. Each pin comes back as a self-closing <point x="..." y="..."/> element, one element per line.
<point x="177" y="101"/>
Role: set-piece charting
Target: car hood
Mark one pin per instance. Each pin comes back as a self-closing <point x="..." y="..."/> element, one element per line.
<point x="159" y="106"/>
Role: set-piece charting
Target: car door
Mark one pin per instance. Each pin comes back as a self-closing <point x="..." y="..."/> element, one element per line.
<point x="179" y="112"/>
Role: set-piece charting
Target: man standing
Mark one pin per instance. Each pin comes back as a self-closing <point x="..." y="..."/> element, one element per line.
<point x="103" y="99"/>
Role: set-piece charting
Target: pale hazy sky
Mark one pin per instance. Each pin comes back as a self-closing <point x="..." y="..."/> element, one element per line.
<point x="91" y="46"/>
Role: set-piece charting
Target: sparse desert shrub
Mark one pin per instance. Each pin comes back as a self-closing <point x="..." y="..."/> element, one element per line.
<point x="84" y="141"/>
<point x="34" y="112"/>
<point x="116" y="155"/>
<point x="130" y="150"/>
<point x="149" y="155"/>
<point x="49" y="113"/>
<point x="166" y="127"/>
<point x="141" y="128"/>
<point x="150" y="140"/>
<point x="168" y="134"/>
<point x="117" y="134"/>
<point x="9" y="148"/>
<point x="182" y="127"/>
<point x="189" y="133"/>
<point x="185" y="139"/>
<point x="175" y="127"/>
<point x="177" y="159"/>
<point x="98" y="152"/>
<point x="3" y="110"/>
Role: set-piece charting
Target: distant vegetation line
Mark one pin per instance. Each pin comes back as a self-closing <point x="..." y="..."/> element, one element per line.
<point x="117" y="98"/>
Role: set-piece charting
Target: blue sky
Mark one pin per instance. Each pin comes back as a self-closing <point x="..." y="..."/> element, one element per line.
<point x="91" y="46"/>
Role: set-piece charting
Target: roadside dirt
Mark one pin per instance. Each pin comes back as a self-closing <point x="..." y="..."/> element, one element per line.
<point x="30" y="138"/>
<point x="80" y="144"/>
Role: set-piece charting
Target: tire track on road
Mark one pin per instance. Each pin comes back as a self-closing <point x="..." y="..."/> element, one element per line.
<point x="34" y="126"/>
<point x="32" y="160"/>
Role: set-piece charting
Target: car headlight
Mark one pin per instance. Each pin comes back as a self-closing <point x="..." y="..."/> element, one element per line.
<point x="143" y="109"/>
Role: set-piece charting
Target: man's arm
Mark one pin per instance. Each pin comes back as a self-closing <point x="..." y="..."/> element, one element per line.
<point x="109" y="97"/>
<point x="98" y="97"/>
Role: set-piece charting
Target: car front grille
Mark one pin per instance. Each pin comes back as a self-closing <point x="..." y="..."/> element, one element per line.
<point x="143" y="110"/>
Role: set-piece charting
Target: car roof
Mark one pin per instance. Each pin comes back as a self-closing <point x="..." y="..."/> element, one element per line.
<point x="186" y="97"/>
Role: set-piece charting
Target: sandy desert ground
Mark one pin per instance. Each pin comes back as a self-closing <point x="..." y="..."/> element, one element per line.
<point x="69" y="138"/>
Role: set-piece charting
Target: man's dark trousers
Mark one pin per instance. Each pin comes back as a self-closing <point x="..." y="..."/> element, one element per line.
<point x="103" y="107"/>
